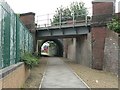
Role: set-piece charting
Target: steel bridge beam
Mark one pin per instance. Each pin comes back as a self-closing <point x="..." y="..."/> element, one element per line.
<point x="62" y="32"/>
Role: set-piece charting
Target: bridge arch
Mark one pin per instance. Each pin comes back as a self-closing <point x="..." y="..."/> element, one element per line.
<point x="57" y="42"/>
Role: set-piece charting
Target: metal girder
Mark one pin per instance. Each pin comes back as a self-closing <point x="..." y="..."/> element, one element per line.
<point x="62" y="32"/>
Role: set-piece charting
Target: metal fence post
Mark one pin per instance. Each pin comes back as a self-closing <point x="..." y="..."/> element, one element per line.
<point x="60" y="17"/>
<point x="28" y="43"/>
<point x="47" y="20"/>
<point x="17" y="40"/>
<point x="86" y="20"/>
<point x="73" y="19"/>
<point x="1" y="35"/>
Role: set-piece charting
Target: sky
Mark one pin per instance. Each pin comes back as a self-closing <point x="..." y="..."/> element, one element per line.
<point x="44" y="7"/>
<point x="41" y="7"/>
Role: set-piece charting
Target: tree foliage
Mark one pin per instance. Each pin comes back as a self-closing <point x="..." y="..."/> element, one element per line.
<point x="66" y="13"/>
<point x="114" y="25"/>
<point x="29" y="60"/>
<point x="79" y="10"/>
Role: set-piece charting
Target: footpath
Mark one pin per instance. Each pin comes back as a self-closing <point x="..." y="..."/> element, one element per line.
<point x="59" y="75"/>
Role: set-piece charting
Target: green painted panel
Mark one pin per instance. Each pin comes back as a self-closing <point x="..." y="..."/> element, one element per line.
<point x="1" y="58"/>
<point x="15" y="38"/>
<point x="12" y="38"/>
<point x="6" y="47"/>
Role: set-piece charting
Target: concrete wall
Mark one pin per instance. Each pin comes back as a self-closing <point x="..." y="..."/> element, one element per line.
<point x="71" y="49"/>
<point x="83" y="50"/>
<point x="111" y="52"/>
<point x="79" y="49"/>
<point x="14" y="76"/>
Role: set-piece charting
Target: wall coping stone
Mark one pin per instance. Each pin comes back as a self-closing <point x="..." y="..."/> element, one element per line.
<point x="5" y="71"/>
<point x="29" y="13"/>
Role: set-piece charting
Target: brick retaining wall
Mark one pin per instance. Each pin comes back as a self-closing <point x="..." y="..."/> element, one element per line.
<point x="14" y="76"/>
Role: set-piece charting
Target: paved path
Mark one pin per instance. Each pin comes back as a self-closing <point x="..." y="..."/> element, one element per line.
<point x="59" y="75"/>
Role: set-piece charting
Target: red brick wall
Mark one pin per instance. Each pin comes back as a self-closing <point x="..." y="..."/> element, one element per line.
<point x="98" y="41"/>
<point x="99" y="33"/>
<point x="29" y="20"/>
<point x="102" y="8"/>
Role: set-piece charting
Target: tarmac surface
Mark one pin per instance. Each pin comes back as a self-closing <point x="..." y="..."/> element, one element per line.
<point x="59" y="75"/>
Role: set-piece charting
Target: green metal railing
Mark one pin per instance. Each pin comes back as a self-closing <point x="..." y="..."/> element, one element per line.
<point x="15" y="38"/>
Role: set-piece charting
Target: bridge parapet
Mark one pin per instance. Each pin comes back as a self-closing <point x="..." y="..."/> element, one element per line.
<point x="46" y="21"/>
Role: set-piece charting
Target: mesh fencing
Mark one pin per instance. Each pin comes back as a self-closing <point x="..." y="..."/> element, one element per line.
<point x="15" y="38"/>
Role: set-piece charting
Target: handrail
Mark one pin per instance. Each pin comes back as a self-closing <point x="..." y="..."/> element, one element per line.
<point x="47" y="20"/>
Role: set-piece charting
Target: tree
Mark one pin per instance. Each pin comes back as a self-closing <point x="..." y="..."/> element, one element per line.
<point x="76" y="9"/>
<point x="114" y="25"/>
<point x="79" y="10"/>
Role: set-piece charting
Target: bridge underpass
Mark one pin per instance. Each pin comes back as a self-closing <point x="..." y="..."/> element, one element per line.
<point x="58" y="35"/>
<point x="62" y="30"/>
<point x="59" y="47"/>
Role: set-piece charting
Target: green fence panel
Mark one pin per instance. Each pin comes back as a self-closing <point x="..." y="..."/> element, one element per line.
<point x="12" y="38"/>
<point x="21" y="36"/>
<point x="26" y="41"/>
<point x="31" y="43"/>
<point x="1" y="58"/>
<point x="15" y="38"/>
<point x="6" y="46"/>
<point x="5" y="33"/>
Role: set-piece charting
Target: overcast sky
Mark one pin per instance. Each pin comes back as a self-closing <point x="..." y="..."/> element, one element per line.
<point x="42" y="7"/>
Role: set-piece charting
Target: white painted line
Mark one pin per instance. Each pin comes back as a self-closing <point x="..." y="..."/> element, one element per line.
<point x="81" y="79"/>
<point x="77" y="76"/>
<point x="40" y="86"/>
